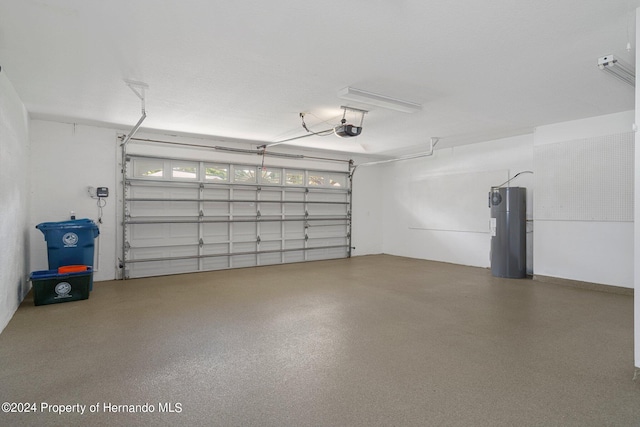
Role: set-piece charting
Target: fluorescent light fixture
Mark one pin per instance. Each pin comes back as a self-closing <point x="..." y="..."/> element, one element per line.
<point x="618" y="69"/>
<point x="370" y="98"/>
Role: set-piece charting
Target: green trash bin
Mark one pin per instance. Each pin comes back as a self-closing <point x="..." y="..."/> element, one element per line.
<point x="51" y="287"/>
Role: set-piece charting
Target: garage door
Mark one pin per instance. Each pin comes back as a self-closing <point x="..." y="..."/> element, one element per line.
<point x="187" y="216"/>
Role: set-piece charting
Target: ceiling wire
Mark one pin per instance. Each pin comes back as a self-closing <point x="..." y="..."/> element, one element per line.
<point x="321" y="133"/>
<point x="328" y="122"/>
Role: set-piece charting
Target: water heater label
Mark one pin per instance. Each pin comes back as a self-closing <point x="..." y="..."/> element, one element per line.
<point x="492" y="227"/>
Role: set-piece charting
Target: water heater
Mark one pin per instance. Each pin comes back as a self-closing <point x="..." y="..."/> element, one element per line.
<point x="508" y="232"/>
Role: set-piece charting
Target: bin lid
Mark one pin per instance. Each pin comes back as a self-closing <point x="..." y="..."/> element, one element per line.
<point x="54" y="274"/>
<point x="76" y="224"/>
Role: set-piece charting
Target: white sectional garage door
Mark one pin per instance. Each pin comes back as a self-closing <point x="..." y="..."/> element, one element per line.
<point x="186" y="216"/>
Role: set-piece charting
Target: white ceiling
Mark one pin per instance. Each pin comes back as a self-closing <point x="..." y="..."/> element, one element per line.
<point x="482" y="69"/>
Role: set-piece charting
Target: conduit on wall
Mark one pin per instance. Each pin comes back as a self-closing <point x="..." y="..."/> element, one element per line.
<point x="432" y="144"/>
<point x="138" y="88"/>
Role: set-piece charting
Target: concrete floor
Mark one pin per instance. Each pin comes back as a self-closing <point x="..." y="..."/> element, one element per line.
<point x="367" y="341"/>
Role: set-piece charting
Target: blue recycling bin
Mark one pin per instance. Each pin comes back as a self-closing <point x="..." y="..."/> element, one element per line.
<point x="69" y="242"/>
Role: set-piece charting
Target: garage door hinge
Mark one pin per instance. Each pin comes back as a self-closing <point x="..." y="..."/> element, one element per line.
<point x="201" y="243"/>
<point x="127" y="246"/>
<point x="258" y="214"/>
<point x="306" y="214"/>
<point x="201" y="214"/>
<point x="201" y="186"/>
<point x="258" y="239"/>
<point x="306" y="237"/>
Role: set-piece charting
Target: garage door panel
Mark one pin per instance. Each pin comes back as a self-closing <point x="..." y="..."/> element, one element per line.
<point x="162" y="268"/>
<point x="239" y="261"/>
<point x="294" y="209"/>
<point x="160" y="234"/>
<point x="245" y="231"/>
<point x="294" y="244"/>
<point x="326" y="209"/>
<point x="245" y="247"/>
<point x="165" y="265"/>
<point x="215" y="263"/>
<point x="273" y="257"/>
<point x="294" y="195"/>
<point x="162" y="191"/>
<point x="335" y="196"/>
<point x="274" y="209"/>
<point x="245" y="208"/>
<point x="270" y="230"/>
<point x="162" y="209"/>
<point x="215" y="231"/>
<point x="270" y="259"/>
<point x="295" y="256"/>
<point x="217" y="209"/>
<point x="327" y="242"/>
<point x="215" y="249"/>
<point x="242" y="194"/>
<point x="327" y="231"/>
<point x="164" y="252"/>
<point x="212" y="193"/>
<point x="270" y="195"/>
<point x="270" y="245"/>
<point x="320" y="254"/>
<point x="294" y="230"/>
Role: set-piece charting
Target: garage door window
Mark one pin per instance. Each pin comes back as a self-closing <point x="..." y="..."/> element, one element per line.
<point x="316" y="180"/>
<point x="216" y="172"/>
<point x="244" y="175"/>
<point x="148" y="168"/>
<point x="272" y="176"/>
<point x="183" y="170"/>
<point x="295" y="177"/>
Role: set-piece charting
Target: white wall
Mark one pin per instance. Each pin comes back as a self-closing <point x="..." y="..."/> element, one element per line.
<point x="465" y="243"/>
<point x="65" y="160"/>
<point x="14" y="201"/>
<point x="367" y="211"/>
<point x="636" y="198"/>
<point x="591" y="251"/>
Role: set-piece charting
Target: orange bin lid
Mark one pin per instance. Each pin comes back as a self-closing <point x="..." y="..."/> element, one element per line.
<point x="72" y="269"/>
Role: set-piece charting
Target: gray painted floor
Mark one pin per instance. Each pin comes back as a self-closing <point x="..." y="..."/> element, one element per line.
<point x="376" y="340"/>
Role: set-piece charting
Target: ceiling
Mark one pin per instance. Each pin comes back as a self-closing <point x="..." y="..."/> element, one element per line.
<point x="482" y="69"/>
